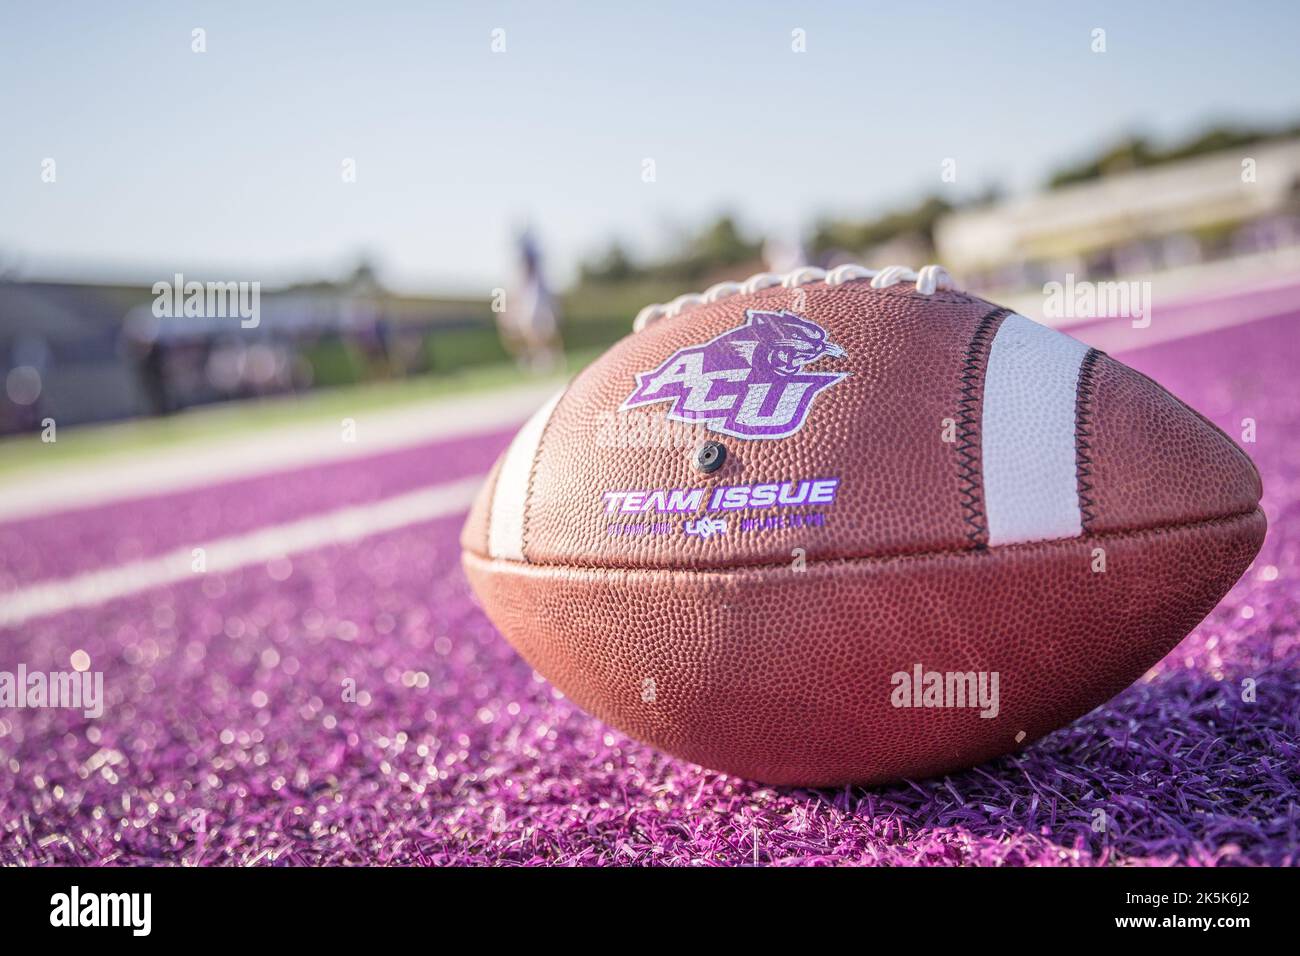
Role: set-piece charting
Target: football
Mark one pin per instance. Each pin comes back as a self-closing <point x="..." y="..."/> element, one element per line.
<point x="855" y="526"/>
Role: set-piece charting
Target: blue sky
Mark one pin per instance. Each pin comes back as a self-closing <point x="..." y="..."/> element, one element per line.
<point x="227" y="163"/>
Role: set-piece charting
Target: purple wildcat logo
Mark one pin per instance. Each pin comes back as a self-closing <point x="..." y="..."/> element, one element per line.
<point x="748" y="382"/>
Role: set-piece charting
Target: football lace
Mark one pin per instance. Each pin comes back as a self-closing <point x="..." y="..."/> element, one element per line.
<point x="929" y="279"/>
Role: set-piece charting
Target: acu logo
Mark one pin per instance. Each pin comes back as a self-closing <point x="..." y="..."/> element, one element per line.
<point x="749" y="382"/>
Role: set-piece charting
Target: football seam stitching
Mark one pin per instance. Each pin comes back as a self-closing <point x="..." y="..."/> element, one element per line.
<point x="1082" y="435"/>
<point x="969" y="476"/>
<point x="981" y="553"/>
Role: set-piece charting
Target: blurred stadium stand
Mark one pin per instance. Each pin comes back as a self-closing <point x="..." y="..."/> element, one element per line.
<point x="1141" y="221"/>
<point x="88" y="352"/>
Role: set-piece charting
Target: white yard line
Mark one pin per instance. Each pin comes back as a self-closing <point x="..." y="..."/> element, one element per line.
<point x="228" y="554"/>
<point x="163" y="470"/>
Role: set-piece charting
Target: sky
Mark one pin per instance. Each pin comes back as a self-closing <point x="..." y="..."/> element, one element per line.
<point x="229" y="163"/>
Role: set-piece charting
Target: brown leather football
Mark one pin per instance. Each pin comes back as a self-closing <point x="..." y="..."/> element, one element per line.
<point x="855" y="526"/>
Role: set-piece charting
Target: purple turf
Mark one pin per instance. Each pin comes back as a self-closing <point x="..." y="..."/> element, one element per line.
<point x="84" y="539"/>
<point x="225" y="710"/>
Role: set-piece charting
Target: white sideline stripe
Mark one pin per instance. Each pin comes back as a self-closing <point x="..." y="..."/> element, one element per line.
<point x="188" y="465"/>
<point x="510" y="496"/>
<point x="228" y="554"/>
<point x="1031" y="490"/>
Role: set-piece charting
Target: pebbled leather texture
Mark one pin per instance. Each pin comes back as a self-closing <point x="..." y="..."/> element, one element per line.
<point x="767" y="650"/>
<point x="1154" y="461"/>
<point x="784" y="677"/>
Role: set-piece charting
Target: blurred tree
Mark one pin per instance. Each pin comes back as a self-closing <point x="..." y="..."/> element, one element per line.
<point x="716" y="246"/>
<point x="1136" y="151"/>
<point x="614" y="265"/>
<point x="916" y="221"/>
<point x="721" y="244"/>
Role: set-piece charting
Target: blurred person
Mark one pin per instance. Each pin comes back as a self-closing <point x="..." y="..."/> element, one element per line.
<point x="529" y="325"/>
<point x="141" y="342"/>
